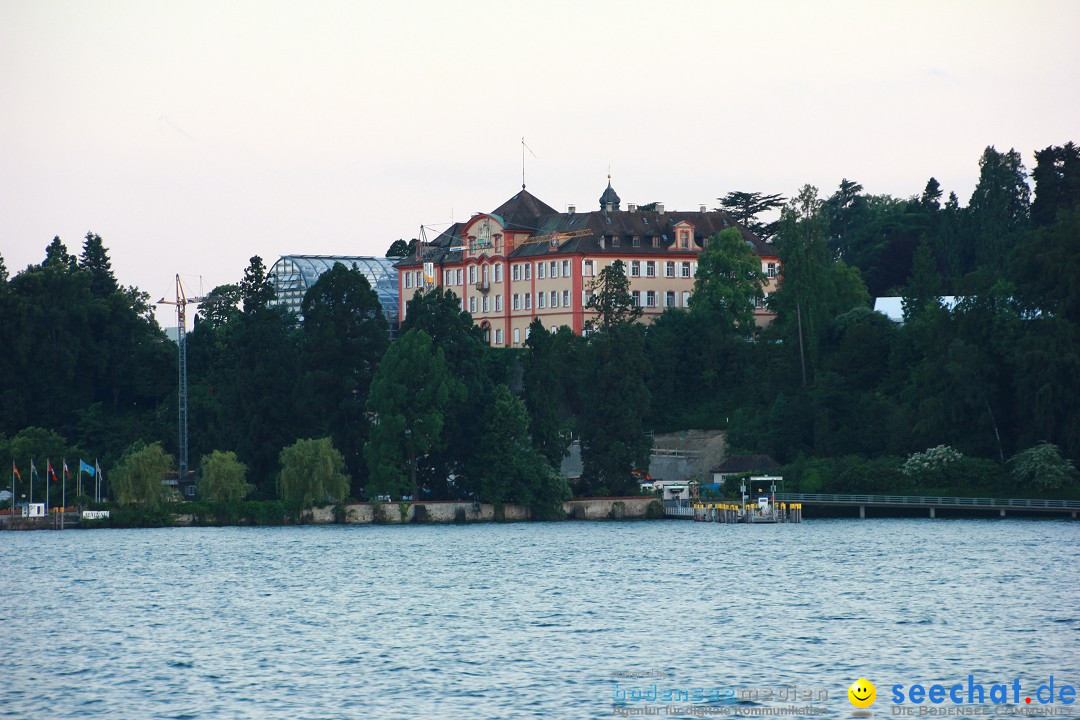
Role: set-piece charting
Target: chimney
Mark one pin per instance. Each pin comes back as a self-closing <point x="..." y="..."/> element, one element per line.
<point x="571" y="209"/>
<point x="703" y="209"/>
<point x="631" y="207"/>
<point x="660" y="208"/>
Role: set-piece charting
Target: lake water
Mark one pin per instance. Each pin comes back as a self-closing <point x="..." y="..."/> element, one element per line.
<point x="525" y="620"/>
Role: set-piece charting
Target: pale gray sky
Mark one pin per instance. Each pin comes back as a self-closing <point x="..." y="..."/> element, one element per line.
<point x="194" y="135"/>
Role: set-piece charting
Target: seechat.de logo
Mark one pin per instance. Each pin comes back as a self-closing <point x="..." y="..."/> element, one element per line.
<point x="862" y="693"/>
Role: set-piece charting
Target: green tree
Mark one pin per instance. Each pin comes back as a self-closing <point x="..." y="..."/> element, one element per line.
<point x="399" y="248"/>
<point x="1042" y="467"/>
<point x="256" y="290"/>
<point x="804" y="257"/>
<point x="221" y="306"/>
<point x="815" y="288"/>
<point x="95" y="260"/>
<point x="930" y="200"/>
<point x="223" y="478"/>
<point x="729" y="283"/>
<point x="924" y="285"/>
<point x="137" y="479"/>
<point x="409" y="399"/>
<point x="344" y="337"/>
<point x="1057" y="182"/>
<point x="312" y="472"/>
<point x="546" y="390"/>
<point x="511" y="470"/>
<point x="469" y="359"/>
<point x="999" y="207"/>
<point x="57" y="255"/>
<point x="745" y="207"/>
<point x="611" y="299"/>
<point x="615" y="403"/>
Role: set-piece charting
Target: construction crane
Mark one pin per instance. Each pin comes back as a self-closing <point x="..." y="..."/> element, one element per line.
<point x="181" y="303"/>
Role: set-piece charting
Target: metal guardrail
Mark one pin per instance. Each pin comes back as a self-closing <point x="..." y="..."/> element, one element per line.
<point x="928" y="501"/>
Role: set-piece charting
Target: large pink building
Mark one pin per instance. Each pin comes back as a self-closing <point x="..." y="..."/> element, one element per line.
<point x="525" y="260"/>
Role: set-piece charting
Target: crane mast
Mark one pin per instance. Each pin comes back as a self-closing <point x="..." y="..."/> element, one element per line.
<point x="181" y="303"/>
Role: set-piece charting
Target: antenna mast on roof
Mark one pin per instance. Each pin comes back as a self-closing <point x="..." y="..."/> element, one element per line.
<point x="524" y="147"/>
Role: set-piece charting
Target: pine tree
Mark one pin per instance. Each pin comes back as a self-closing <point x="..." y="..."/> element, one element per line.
<point x="95" y="260"/>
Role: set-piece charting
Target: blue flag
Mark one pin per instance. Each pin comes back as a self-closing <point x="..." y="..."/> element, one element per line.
<point x="84" y="468"/>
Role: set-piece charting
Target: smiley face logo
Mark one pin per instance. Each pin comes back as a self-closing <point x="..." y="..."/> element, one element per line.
<point x="862" y="693"/>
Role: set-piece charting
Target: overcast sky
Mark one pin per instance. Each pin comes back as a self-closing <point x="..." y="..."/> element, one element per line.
<point x="193" y="135"/>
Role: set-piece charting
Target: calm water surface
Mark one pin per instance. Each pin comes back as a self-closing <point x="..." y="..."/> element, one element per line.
<point x="523" y="620"/>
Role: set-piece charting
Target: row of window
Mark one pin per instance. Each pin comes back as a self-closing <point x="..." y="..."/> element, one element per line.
<point x="671" y="269"/>
<point x="498" y="334"/>
<point x="554" y="269"/>
<point x="649" y="298"/>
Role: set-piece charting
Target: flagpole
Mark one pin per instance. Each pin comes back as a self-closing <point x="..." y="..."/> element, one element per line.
<point x="63" y="491"/>
<point x="97" y="479"/>
<point x="31" y="482"/>
<point x="48" y="465"/>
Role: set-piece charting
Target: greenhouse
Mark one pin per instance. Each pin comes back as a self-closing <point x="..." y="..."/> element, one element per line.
<point x="292" y="275"/>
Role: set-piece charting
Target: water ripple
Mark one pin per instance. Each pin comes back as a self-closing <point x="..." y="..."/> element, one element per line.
<point x="527" y="620"/>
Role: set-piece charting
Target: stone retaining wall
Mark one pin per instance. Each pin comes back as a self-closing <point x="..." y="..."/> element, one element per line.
<point x="393" y="513"/>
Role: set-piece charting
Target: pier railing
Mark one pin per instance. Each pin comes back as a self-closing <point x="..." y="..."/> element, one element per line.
<point x="898" y="501"/>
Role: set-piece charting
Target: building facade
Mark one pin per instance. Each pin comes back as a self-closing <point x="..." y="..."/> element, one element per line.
<point x="525" y="260"/>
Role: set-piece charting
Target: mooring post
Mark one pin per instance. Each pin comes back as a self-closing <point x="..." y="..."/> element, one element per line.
<point x="1003" y="512"/>
<point x="932" y="513"/>
<point x="862" y="511"/>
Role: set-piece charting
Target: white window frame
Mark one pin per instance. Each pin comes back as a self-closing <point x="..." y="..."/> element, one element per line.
<point x="528" y="271"/>
<point x="408" y="280"/>
<point x="635" y="268"/>
<point x="553" y="270"/>
<point x="498" y="272"/>
<point x="498" y="336"/>
<point x="650" y="268"/>
<point x="498" y="303"/>
<point x="686" y="298"/>
<point x="528" y="301"/>
<point x="566" y="268"/>
<point x="487" y="304"/>
<point x="650" y="298"/>
<point x="671" y="298"/>
<point x="515" y="271"/>
<point x="566" y="298"/>
<point x="635" y="298"/>
<point x="472" y="274"/>
<point x="554" y="301"/>
<point x="586" y="268"/>
<point x="669" y="269"/>
<point x="541" y="300"/>
<point x="517" y="301"/>
<point x="517" y="336"/>
<point x="472" y="304"/>
<point x="685" y="269"/>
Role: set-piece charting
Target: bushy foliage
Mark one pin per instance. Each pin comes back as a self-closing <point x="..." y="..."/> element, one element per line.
<point x="932" y="460"/>
<point x="222" y="478"/>
<point x="1042" y="467"/>
<point x="137" y="479"/>
<point x="312" y="473"/>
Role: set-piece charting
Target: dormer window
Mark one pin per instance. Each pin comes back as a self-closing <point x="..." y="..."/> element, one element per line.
<point x="615" y="241"/>
<point x="684" y="239"/>
<point x="656" y="242"/>
<point x="636" y="241"/>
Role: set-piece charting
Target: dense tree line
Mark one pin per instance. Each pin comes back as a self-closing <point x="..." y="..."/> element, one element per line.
<point x="844" y="395"/>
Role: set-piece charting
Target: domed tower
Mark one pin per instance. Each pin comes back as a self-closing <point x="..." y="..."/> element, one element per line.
<point x="609" y="201"/>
